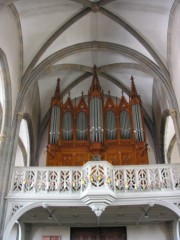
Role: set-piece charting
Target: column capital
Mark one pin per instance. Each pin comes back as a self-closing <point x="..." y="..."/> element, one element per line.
<point x="20" y="115"/>
<point x="2" y="137"/>
<point x="173" y="112"/>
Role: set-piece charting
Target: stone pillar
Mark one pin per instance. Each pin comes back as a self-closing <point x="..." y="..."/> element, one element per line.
<point x="176" y="230"/>
<point x="4" y="143"/>
<point x="21" y="230"/>
<point x="9" y="152"/>
<point x="20" y="116"/>
<point x="174" y="115"/>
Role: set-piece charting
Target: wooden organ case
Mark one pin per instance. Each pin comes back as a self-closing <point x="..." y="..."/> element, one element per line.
<point x="96" y="128"/>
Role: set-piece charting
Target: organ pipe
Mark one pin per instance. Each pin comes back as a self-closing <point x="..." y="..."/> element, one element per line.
<point x="111" y="126"/>
<point x="96" y="120"/>
<point x="82" y="126"/>
<point x="96" y="124"/>
<point x="67" y="126"/>
<point x="55" y="124"/>
<point x="137" y="121"/>
<point x="125" y="125"/>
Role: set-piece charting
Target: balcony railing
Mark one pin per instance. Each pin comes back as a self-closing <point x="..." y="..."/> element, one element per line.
<point x="93" y="175"/>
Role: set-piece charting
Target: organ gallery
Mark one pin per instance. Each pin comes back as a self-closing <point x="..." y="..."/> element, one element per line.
<point x="95" y="127"/>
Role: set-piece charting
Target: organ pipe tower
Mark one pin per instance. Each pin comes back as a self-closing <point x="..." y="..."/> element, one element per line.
<point x="95" y="127"/>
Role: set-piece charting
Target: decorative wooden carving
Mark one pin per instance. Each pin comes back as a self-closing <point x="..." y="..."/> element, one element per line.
<point x="96" y="127"/>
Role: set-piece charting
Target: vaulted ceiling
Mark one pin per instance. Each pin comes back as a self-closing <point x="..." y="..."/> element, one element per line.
<point x="65" y="38"/>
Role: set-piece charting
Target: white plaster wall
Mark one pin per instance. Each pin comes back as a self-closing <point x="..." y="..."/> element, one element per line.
<point x="175" y="52"/>
<point x="19" y="162"/>
<point x="38" y="232"/>
<point x="10" y="44"/>
<point x="175" y="154"/>
<point x="156" y="231"/>
<point x="24" y="135"/>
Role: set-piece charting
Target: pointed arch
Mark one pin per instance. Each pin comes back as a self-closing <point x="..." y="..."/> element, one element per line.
<point x="101" y="46"/>
<point x="5" y="130"/>
<point x="7" y="93"/>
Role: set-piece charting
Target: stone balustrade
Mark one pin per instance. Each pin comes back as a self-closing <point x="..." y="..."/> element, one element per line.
<point x="95" y="175"/>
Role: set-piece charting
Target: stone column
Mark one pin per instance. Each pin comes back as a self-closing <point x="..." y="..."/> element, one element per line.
<point x="174" y="115"/>
<point x="20" y="116"/>
<point x="10" y="151"/>
<point x="4" y="143"/>
<point x="176" y="230"/>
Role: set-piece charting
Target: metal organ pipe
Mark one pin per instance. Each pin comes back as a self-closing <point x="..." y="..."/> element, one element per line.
<point x="67" y="127"/>
<point x="55" y="124"/>
<point x="125" y="125"/>
<point x="81" y="130"/>
<point x="111" y="130"/>
<point x="137" y="121"/>
<point x="96" y="120"/>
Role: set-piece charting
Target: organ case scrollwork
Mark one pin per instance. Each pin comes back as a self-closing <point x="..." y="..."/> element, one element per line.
<point x="96" y="125"/>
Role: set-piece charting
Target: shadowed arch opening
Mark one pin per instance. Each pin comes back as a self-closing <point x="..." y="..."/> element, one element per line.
<point x="25" y="148"/>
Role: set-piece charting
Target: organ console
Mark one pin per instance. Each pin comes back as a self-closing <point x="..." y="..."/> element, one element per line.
<point x="96" y="127"/>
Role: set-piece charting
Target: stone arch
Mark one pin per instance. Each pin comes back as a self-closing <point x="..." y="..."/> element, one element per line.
<point x="101" y="46"/>
<point x="135" y="34"/>
<point x="5" y="129"/>
<point x="23" y="209"/>
<point x="29" y="206"/>
<point x="53" y="38"/>
<point x="87" y="74"/>
<point x="87" y="46"/>
<point x="7" y="111"/>
<point x="169" y="33"/>
<point x="111" y="16"/>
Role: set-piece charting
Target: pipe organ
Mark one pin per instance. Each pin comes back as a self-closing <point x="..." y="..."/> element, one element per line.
<point x="96" y="127"/>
